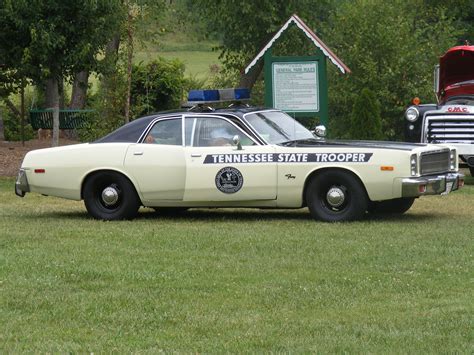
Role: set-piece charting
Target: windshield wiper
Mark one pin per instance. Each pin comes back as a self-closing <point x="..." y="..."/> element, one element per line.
<point x="273" y="125"/>
<point x="304" y="141"/>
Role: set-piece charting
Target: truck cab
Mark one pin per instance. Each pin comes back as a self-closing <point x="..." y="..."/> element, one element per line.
<point x="451" y="119"/>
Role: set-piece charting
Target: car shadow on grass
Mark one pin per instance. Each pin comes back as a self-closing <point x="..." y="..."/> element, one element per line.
<point x="244" y="214"/>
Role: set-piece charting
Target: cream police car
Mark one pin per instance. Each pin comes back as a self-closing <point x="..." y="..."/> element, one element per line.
<point x="237" y="157"/>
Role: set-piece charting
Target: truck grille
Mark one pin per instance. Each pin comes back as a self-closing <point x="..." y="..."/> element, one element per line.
<point x="434" y="162"/>
<point x="449" y="129"/>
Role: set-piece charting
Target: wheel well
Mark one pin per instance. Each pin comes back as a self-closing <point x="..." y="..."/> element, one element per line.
<point x="319" y="171"/>
<point x="97" y="172"/>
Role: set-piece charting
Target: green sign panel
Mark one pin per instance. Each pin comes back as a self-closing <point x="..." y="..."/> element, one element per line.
<point x="297" y="85"/>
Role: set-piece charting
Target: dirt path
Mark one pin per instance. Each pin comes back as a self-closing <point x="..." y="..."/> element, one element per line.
<point x="12" y="153"/>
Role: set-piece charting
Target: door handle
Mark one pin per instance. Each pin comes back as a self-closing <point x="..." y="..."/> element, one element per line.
<point x="196" y="155"/>
<point x="137" y="153"/>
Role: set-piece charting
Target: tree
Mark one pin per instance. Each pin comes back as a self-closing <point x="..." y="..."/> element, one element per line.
<point x="366" y="122"/>
<point x="58" y="39"/>
<point x="391" y="48"/>
<point x="245" y="26"/>
<point x="463" y="13"/>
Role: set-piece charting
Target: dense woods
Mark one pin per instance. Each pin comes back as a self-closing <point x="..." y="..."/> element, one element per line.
<point x="81" y="54"/>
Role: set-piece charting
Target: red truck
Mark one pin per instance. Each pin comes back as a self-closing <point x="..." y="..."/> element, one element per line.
<point x="451" y="119"/>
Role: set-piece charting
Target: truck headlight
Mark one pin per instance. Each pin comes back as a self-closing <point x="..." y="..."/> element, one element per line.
<point x="414" y="164"/>
<point x="412" y="114"/>
<point x="452" y="159"/>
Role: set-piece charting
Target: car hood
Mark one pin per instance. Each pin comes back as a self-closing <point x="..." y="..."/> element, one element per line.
<point x="353" y="144"/>
<point x="456" y="66"/>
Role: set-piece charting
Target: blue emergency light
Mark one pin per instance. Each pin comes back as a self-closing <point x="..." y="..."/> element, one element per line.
<point x="221" y="95"/>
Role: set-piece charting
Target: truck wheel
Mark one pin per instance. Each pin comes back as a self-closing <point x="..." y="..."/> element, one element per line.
<point x="110" y="196"/>
<point x="397" y="205"/>
<point x="335" y="195"/>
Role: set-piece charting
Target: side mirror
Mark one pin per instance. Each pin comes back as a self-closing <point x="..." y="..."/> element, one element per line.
<point x="320" y="132"/>
<point x="236" y="141"/>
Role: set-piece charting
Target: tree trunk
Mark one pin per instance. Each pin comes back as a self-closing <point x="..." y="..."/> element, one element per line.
<point x="49" y="93"/>
<point x="22" y="111"/>
<point x="52" y="89"/>
<point x="248" y="80"/>
<point x="110" y="60"/>
<point x="112" y="49"/>
<point x="79" y="90"/>
<point x="12" y="107"/>
<point x="2" y="133"/>
<point x="62" y="101"/>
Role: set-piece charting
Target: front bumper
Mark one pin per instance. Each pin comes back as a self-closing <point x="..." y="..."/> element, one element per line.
<point x="432" y="185"/>
<point x="21" y="184"/>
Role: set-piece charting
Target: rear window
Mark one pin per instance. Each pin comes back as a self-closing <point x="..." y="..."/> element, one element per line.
<point x="130" y="132"/>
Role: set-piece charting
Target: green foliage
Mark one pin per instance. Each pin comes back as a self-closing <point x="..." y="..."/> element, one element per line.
<point x="366" y="122"/>
<point x="463" y="13"/>
<point x="108" y="102"/>
<point x="192" y="82"/>
<point x="12" y="128"/>
<point x="55" y="37"/>
<point x="391" y="48"/>
<point x="245" y="26"/>
<point x="156" y="86"/>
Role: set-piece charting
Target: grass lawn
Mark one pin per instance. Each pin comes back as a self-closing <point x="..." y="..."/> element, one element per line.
<point x="235" y="281"/>
<point x="197" y="54"/>
<point x="197" y="62"/>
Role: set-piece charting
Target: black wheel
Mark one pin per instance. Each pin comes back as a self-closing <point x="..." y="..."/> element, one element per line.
<point x="110" y="196"/>
<point x="397" y="205"/>
<point x="335" y="195"/>
<point x="170" y="211"/>
<point x="471" y="170"/>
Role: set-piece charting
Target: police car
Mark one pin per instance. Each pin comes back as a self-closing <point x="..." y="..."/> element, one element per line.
<point x="238" y="156"/>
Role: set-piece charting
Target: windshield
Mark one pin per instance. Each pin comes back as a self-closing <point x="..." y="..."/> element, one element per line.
<point x="277" y="127"/>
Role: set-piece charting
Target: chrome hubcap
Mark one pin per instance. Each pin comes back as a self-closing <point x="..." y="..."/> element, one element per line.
<point x="110" y="196"/>
<point x="335" y="197"/>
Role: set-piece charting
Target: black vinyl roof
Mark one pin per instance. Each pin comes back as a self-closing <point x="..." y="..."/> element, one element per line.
<point x="131" y="132"/>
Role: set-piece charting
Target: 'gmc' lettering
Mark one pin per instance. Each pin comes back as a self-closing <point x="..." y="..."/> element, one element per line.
<point x="458" y="109"/>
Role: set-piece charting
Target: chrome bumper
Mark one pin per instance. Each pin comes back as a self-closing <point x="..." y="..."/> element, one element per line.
<point x="21" y="184"/>
<point x="432" y="185"/>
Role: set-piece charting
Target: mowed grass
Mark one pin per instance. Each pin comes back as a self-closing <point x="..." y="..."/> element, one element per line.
<point x="197" y="54"/>
<point x="197" y="63"/>
<point x="235" y="280"/>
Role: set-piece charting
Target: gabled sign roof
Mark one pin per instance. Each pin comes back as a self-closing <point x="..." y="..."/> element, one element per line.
<point x="311" y="35"/>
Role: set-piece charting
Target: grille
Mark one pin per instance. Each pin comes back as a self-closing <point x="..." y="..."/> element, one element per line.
<point x="434" y="162"/>
<point x="450" y="129"/>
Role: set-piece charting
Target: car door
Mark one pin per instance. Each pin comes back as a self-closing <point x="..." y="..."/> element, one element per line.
<point x="158" y="164"/>
<point x="217" y="170"/>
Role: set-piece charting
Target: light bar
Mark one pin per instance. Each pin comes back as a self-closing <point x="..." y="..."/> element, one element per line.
<point x="221" y="95"/>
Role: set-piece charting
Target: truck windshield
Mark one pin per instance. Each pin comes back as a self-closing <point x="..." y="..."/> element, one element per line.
<point x="277" y="127"/>
<point x="460" y="100"/>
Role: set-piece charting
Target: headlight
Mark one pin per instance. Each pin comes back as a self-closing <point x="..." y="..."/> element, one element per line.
<point x="414" y="164"/>
<point x="452" y="159"/>
<point x="412" y="114"/>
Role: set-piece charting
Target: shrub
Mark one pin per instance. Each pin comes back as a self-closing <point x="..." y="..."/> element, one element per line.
<point x="366" y="122"/>
<point x="12" y="128"/>
<point x="156" y="86"/>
